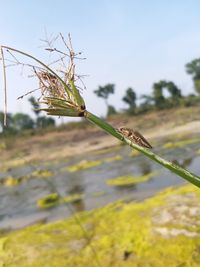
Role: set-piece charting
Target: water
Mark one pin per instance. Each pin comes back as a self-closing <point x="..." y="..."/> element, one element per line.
<point x="18" y="203"/>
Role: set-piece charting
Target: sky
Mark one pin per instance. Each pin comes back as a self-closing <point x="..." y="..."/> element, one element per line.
<point x="130" y="43"/>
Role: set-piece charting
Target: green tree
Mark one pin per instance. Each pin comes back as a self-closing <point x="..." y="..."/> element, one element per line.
<point x="193" y="68"/>
<point x="111" y="110"/>
<point x="35" y="106"/>
<point x="22" y="121"/>
<point x="175" y="94"/>
<point x="146" y="104"/>
<point x="148" y="100"/>
<point x="159" y="99"/>
<point x="8" y="128"/>
<point x="105" y="91"/>
<point x="43" y="122"/>
<point x="130" y="99"/>
<point x="173" y="90"/>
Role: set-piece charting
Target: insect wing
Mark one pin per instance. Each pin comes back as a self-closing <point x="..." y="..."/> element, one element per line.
<point x="134" y="136"/>
<point x="140" y="140"/>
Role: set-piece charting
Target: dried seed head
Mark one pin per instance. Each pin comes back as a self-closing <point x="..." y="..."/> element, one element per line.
<point x="58" y="92"/>
<point x="50" y="85"/>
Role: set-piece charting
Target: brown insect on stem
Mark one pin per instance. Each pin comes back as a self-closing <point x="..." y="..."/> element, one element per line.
<point x="134" y="136"/>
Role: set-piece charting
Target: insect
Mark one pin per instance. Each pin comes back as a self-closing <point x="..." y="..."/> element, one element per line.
<point x="134" y="136"/>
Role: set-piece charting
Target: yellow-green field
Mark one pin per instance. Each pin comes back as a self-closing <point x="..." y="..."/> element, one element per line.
<point x="161" y="231"/>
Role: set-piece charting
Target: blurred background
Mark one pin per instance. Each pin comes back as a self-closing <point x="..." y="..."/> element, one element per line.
<point x="142" y="71"/>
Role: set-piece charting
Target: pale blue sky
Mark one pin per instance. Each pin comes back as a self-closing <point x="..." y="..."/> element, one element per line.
<point x="126" y="42"/>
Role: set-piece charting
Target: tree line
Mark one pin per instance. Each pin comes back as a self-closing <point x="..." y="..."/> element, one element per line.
<point x="157" y="100"/>
<point x="21" y="121"/>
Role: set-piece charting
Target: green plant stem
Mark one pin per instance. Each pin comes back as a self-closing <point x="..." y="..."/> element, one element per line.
<point x="190" y="177"/>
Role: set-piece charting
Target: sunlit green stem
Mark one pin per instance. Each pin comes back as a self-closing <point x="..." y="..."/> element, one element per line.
<point x="194" y="179"/>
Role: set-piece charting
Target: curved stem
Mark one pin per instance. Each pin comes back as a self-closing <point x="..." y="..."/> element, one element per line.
<point x="192" y="178"/>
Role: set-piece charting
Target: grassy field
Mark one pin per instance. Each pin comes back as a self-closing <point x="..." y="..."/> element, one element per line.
<point x="161" y="231"/>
